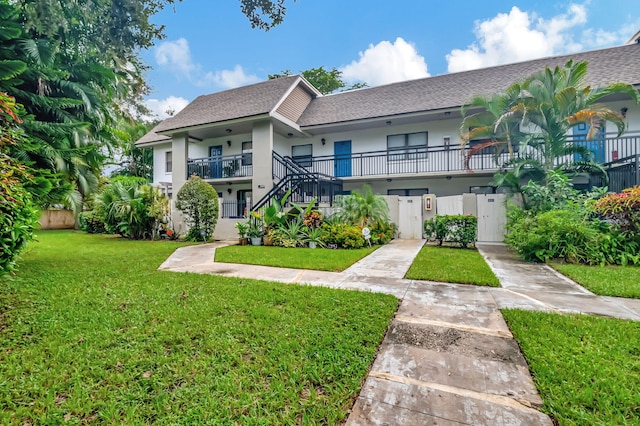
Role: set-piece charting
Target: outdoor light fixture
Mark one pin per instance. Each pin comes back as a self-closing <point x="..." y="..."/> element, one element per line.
<point x="323" y="140"/>
<point x="228" y="143"/>
<point x="447" y="113"/>
<point x="228" y="130"/>
<point x="448" y="177"/>
<point x="289" y="134"/>
<point x="623" y="111"/>
<point x="229" y="190"/>
<point x="388" y="122"/>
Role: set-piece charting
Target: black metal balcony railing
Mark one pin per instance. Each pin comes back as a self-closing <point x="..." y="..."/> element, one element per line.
<point x="235" y="209"/>
<point x="220" y="167"/>
<point x="444" y="159"/>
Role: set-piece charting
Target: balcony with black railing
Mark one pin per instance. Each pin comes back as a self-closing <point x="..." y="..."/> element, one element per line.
<point x="221" y="167"/>
<point x="423" y="160"/>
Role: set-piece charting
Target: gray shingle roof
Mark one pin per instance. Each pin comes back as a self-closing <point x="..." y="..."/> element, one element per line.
<point x="454" y="90"/>
<point x="152" y="137"/>
<point x="246" y="101"/>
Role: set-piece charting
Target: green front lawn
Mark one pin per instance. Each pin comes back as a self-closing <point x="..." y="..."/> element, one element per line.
<point x="587" y="369"/>
<point x="92" y="332"/>
<point x="297" y="258"/>
<point x="620" y="281"/>
<point x="452" y="265"/>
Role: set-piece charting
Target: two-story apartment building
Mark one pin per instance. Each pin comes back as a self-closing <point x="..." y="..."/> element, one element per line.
<point x="401" y="138"/>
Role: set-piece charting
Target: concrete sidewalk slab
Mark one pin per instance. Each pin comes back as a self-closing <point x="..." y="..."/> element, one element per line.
<point x="516" y="274"/>
<point x="391" y="400"/>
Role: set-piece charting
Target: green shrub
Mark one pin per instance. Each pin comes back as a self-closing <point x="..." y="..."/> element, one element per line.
<point x="131" y="208"/>
<point x="457" y="229"/>
<point x="198" y="201"/>
<point x="382" y="233"/>
<point x="343" y="235"/>
<point x="556" y="234"/>
<point x="91" y="222"/>
<point x="18" y="215"/>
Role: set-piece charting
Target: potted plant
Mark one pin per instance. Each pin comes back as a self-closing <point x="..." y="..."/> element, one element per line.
<point x="255" y="230"/>
<point x="313" y="237"/>
<point x="243" y="228"/>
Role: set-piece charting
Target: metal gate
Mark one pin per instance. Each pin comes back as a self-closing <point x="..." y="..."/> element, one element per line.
<point x="492" y="217"/>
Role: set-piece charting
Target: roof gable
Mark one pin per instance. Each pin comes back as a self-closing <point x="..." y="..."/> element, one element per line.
<point x="247" y="101"/>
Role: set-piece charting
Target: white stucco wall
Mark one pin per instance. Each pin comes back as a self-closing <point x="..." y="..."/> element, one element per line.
<point x="159" y="173"/>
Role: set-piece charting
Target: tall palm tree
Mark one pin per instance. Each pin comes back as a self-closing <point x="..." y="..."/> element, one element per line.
<point x="548" y="104"/>
<point x="496" y="120"/>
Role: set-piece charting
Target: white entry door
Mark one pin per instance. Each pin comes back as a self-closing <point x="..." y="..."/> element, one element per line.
<point x="492" y="217"/>
<point x="410" y="218"/>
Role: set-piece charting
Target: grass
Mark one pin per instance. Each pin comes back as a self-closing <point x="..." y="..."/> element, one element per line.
<point x="452" y="265"/>
<point x="92" y="332"/>
<point x="587" y="369"/>
<point x="298" y="258"/>
<point x="620" y="281"/>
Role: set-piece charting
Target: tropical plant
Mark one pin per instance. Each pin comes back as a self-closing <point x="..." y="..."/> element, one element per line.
<point x="255" y="225"/>
<point x="313" y="236"/>
<point x="132" y="208"/>
<point x="274" y="214"/>
<point x="243" y="228"/>
<point x="292" y="232"/>
<point x="18" y="215"/>
<point x="198" y="201"/>
<point x="623" y="211"/>
<point x="363" y="208"/>
<point x="547" y="104"/>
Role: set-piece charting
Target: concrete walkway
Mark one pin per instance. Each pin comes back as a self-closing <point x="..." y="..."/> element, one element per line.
<point x="448" y="357"/>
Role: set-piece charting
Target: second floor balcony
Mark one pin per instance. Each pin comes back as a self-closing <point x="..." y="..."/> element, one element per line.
<point x="418" y="161"/>
<point x="221" y="167"/>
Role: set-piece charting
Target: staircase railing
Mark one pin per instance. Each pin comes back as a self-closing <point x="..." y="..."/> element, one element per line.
<point x="304" y="185"/>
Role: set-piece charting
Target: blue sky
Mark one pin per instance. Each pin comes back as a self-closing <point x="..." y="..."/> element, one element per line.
<point x="210" y="46"/>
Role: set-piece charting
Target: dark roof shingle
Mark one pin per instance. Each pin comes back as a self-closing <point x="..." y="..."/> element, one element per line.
<point x="456" y="89"/>
<point x="246" y="101"/>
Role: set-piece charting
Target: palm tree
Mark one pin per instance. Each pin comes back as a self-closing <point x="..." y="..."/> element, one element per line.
<point x="363" y="208"/>
<point x="548" y="104"/>
<point x="497" y="123"/>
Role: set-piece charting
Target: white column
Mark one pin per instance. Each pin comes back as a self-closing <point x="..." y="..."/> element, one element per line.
<point x="262" y="159"/>
<point x="180" y="155"/>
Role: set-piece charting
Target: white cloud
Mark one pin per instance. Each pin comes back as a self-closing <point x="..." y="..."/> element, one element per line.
<point x="229" y="79"/>
<point x="387" y="62"/>
<point x="176" y="56"/>
<point x="164" y="108"/>
<point x="519" y="36"/>
<point x="598" y="38"/>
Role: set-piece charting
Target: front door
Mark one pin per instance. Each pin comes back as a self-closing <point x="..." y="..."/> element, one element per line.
<point x="215" y="162"/>
<point x="342" y="162"/>
<point x="596" y="145"/>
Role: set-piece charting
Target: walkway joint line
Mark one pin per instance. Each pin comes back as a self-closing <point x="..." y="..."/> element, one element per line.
<point x="469" y="328"/>
<point x="506" y="401"/>
<point x="549" y="307"/>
